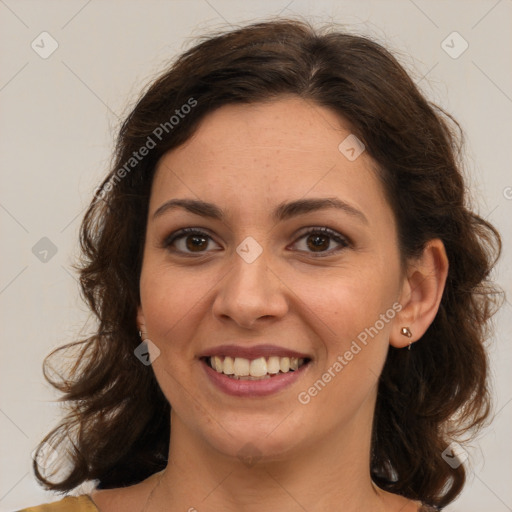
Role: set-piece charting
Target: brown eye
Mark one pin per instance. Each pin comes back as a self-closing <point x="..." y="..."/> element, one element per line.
<point x="319" y="240"/>
<point x="188" y="241"/>
<point x="196" y="242"/>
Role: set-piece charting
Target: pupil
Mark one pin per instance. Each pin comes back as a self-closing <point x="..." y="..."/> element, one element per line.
<point x="317" y="241"/>
<point x="198" y="242"/>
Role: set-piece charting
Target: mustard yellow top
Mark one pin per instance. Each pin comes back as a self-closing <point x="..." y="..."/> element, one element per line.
<point x="69" y="504"/>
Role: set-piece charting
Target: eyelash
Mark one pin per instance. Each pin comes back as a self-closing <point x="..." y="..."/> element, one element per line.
<point x="182" y="233"/>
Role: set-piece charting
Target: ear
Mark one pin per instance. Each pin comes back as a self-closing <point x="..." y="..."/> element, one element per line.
<point x="141" y="319"/>
<point x="421" y="294"/>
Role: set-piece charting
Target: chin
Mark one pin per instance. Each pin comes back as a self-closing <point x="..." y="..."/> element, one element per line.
<point x="250" y="444"/>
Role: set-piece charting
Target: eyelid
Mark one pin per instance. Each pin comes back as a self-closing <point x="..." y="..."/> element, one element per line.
<point x="181" y="233"/>
<point x="339" y="238"/>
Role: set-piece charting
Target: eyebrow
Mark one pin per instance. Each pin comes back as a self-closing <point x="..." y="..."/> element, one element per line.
<point x="283" y="211"/>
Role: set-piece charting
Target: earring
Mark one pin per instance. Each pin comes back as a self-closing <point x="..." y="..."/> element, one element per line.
<point x="405" y="331"/>
<point x="141" y="333"/>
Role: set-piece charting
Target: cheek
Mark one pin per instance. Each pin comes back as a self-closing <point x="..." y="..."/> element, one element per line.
<point x="354" y="335"/>
<point x="169" y="297"/>
<point x="359" y="308"/>
<point x="169" y="300"/>
<point x="351" y="312"/>
<point x="347" y="299"/>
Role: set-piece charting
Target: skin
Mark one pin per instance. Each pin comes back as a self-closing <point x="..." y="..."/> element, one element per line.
<point x="247" y="159"/>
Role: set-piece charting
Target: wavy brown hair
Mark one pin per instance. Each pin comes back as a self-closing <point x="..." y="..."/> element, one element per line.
<point x="118" y="427"/>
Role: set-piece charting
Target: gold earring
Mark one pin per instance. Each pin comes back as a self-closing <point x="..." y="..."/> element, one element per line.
<point x="405" y="331"/>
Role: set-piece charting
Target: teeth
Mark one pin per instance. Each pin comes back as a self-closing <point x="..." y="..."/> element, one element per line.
<point x="258" y="367"/>
<point x="273" y="365"/>
<point x="284" y="364"/>
<point x="217" y="363"/>
<point x="228" y="368"/>
<point x="241" y="367"/>
<point x="255" y="369"/>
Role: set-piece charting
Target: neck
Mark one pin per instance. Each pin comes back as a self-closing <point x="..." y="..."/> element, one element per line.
<point x="331" y="475"/>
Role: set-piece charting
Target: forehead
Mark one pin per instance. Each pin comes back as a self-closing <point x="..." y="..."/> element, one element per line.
<point x="248" y="158"/>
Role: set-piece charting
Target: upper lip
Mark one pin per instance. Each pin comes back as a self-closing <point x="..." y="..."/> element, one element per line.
<point x="252" y="352"/>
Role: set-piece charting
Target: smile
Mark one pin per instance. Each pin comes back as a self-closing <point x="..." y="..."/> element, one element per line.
<point x="254" y="378"/>
<point x="257" y="369"/>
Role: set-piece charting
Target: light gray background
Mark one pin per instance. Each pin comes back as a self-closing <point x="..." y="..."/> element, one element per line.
<point x="58" y="120"/>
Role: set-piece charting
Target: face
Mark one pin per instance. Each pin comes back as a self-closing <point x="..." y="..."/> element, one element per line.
<point x="318" y="280"/>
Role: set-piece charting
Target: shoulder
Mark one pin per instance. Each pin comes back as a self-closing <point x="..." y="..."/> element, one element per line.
<point x="68" y="504"/>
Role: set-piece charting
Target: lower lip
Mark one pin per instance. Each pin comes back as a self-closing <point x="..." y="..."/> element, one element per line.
<point x="263" y="387"/>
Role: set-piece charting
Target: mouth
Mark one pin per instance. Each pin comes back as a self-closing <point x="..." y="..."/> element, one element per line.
<point x="261" y="368"/>
<point x="245" y="370"/>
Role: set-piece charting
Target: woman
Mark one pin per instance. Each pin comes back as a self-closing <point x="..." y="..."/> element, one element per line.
<point x="287" y="231"/>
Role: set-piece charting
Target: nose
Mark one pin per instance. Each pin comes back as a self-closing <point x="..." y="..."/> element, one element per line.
<point x="250" y="293"/>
